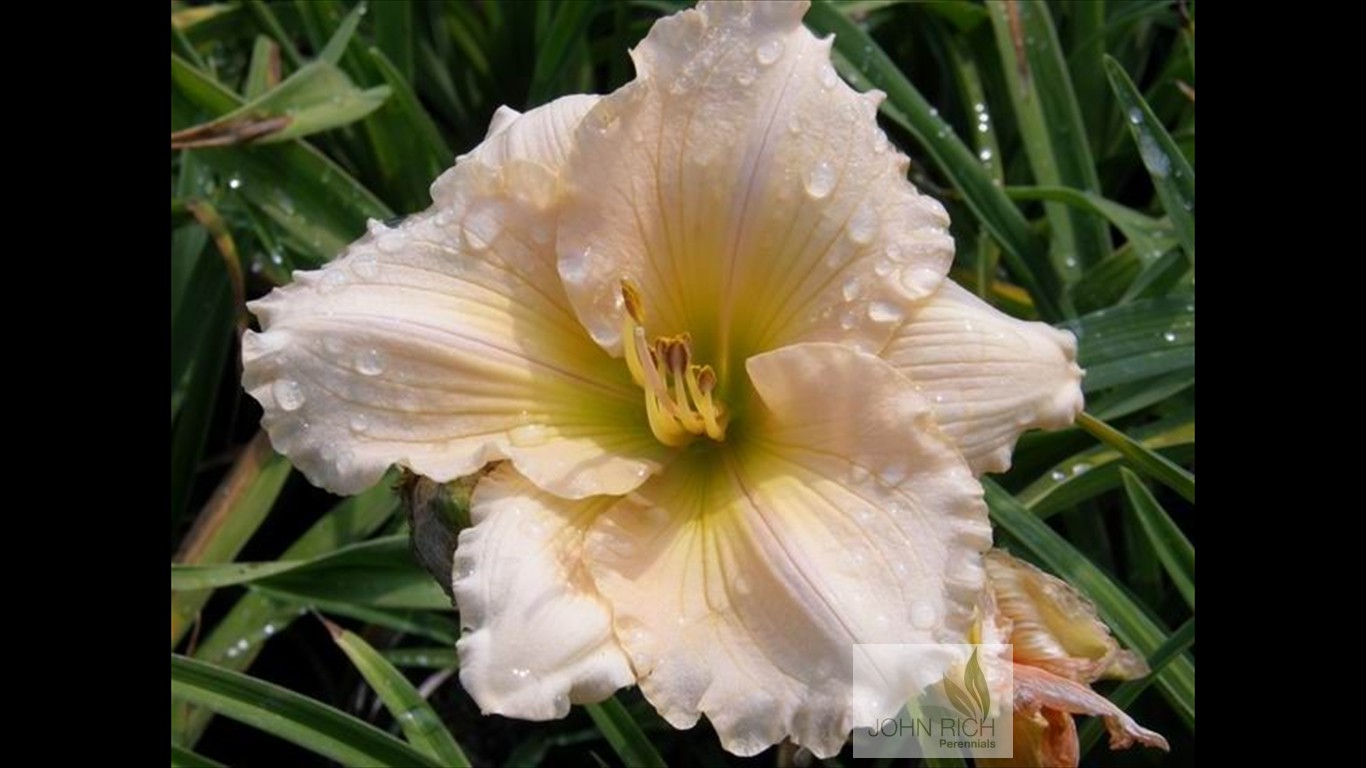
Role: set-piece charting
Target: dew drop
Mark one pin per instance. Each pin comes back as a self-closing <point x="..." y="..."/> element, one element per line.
<point x="769" y="52"/>
<point x="331" y="281"/>
<point x="1169" y="336"/>
<point x="746" y="76"/>
<point x="528" y="435"/>
<point x="1057" y="475"/>
<point x="923" y="615"/>
<point x="390" y="242"/>
<point x="574" y="264"/>
<point x="851" y="289"/>
<point x="481" y="228"/>
<point x="884" y="267"/>
<point x="288" y="394"/>
<point x="848" y="319"/>
<point x="1154" y="159"/>
<point x="234" y="183"/>
<point x="1135" y="115"/>
<point x="985" y="155"/>
<point x="820" y="180"/>
<point x="360" y="423"/>
<point x="863" y="225"/>
<point x="365" y="265"/>
<point x="828" y="77"/>
<point x="1080" y="468"/>
<point x="521" y="672"/>
<point x="884" y="312"/>
<point x="370" y="362"/>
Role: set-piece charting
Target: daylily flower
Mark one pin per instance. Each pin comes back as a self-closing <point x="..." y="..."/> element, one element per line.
<point x="703" y="324"/>
<point x="1060" y="647"/>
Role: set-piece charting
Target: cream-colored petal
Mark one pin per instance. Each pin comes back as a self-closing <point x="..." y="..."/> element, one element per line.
<point x="1037" y="689"/>
<point x="989" y="376"/>
<point x="448" y="342"/>
<point x="741" y="576"/>
<point x="535" y="635"/>
<point x="1054" y="627"/>
<point x="747" y="192"/>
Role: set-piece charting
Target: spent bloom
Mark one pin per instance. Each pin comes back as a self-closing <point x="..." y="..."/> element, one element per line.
<point x="702" y="326"/>
<point x="1059" y="648"/>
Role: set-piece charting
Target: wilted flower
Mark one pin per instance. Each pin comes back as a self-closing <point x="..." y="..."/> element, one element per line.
<point x="703" y="323"/>
<point x="1060" y="647"/>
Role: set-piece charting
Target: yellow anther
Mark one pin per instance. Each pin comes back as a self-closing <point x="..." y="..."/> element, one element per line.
<point x="680" y="412"/>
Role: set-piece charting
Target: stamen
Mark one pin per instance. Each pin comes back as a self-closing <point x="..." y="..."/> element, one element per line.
<point x="676" y="416"/>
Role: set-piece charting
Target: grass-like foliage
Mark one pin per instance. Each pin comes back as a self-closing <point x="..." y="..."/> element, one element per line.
<point x="1060" y="135"/>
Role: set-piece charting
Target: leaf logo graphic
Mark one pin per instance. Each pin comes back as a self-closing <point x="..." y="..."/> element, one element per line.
<point x="973" y="703"/>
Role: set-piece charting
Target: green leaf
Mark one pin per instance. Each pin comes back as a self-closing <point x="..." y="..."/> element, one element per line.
<point x="1151" y="463"/>
<point x="236" y="509"/>
<point x="184" y="758"/>
<point x="624" y="734"/>
<point x="1172" y="176"/>
<point x="1135" y="341"/>
<point x="185" y="577"/>
<point x="423" y="658"/>
<point x="379" y="574"/>
<point x="1150" y="237"/>
<point x="564" y="36"/>
<point x="1134" y="626"/>
<point x="1090" y="473"/>
<point x="290" y="716"/>
<point x="1050" y="124"/>
<point x="413" y="714"/>
<point x="309" y="197"/>
<point x="336" y="45"/>
<point x="1170" y="544"/>
<point x="1023" y="252"/>
<point x="255" y="618"/>
<point x="263" y="72"/>
<point x="394" y="36"/>
<point x="318" y="97"/>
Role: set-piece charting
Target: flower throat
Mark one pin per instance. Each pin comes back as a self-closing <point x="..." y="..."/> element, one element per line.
<point x="678" y="393"/>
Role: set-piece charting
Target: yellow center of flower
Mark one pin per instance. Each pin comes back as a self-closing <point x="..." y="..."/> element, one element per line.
<point x="679" y="394"/>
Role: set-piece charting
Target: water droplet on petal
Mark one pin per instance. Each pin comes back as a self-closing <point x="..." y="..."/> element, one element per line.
<point x="849" y="319"/>
<point x="481" y="228"/>
<point x="923" y="615"/>
<point x="574" y="264"/>
<point x="331" y="281"/>
<point x="746" y="76"/>
<point x="863" y="225"/>
<point x="884" y="312"/>
<point x="769" y="51"/>
<point x="288" y="394"/>
<point x="360" y="423"/>
<point x="370" y="362"/>
<point x="521" y="673"/>
<point x="528" y="435"/>
<point x="365" y="265"/>
<point x="828" y="77"/>
<point x="820" y="180"/>
<point x="851" y="288"/>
